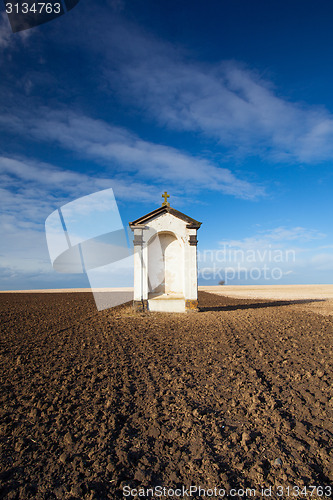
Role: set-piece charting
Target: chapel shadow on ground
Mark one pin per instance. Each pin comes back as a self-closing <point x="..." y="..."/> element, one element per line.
<point x="234" y="304"/>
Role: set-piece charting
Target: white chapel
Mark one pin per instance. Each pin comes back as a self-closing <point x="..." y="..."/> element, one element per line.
<point x="165" y="260"/>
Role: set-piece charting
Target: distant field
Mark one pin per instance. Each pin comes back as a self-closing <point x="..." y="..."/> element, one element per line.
<point x="317" y="298"/>
<point x="276" y="292"/>
<point x="70" y="290"/>
<point x="314" y="298"/>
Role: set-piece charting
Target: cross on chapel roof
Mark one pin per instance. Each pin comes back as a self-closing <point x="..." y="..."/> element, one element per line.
<point x="165" y="196"/>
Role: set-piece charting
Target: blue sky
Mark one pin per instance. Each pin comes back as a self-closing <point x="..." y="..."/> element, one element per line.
<point x="227" y="105"/>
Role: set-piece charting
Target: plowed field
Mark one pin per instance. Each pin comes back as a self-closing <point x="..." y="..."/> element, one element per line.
<point x="236" y="396"/>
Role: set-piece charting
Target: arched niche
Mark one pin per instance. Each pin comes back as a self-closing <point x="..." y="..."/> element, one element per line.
<point x="165" y="264"/>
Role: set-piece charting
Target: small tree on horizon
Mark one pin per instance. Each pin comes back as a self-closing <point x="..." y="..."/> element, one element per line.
<point x="222" y="282"/>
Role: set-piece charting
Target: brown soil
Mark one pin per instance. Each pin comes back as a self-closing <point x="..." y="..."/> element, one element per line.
<point x="238" y="395"/>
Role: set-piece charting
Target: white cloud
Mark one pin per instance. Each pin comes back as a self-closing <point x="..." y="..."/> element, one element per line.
<point x="127" y="153"/>
<point x="322" y="262"/>
<point x="32" y="178"/>
<point x="301" y="234"/>
<point x="279" y="255"/>
<point x="30" y="191"/>
<point x="224" y="101"/>
<point x="278" y="237"/>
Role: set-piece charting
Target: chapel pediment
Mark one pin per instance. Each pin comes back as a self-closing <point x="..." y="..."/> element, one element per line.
<point x="191" y="223"/>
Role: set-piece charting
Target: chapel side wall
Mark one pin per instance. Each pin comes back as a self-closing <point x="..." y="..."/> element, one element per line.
<point x="186" y="270"/>
<point x="137" y="265"/>
<point x="192" y="265"/>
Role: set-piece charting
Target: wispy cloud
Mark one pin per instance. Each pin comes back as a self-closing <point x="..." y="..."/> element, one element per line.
<point x="121" y="151"/>
<point x="30" y="191"/>
<point x="226" y="101"/>
<point x="322" y="262"/>
<point x="32" y="188"/>
<point x="279" y="237"/>
<point x="278" y="255"/>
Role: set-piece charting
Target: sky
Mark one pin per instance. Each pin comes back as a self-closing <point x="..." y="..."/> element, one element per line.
<point x="227" y="105"/>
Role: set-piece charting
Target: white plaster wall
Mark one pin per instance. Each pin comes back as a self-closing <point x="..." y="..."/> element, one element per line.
<point x="168" y="222"/>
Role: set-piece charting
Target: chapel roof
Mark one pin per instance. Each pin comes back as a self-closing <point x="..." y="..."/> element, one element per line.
<point x="191" y="223"/>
